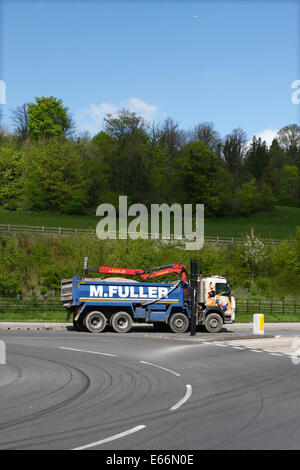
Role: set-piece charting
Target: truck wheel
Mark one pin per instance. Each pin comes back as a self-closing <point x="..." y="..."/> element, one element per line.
<point x="76" y="325"/>
<point x="213" y="323"/>
<point x="178" y="323"/>
<point x="121" y="322"/>
<point x="95" y="322"/>
<point x="79" y="324"/>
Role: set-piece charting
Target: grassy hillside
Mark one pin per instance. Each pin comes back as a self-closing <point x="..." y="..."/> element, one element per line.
<point x="279" y="224"/>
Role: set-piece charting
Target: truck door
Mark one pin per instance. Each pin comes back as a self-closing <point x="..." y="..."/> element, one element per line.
<point x="223" y="297"/>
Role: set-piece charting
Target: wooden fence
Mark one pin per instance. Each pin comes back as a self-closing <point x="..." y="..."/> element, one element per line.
<point x="62" y="231"/>
<point x="268" y="306"/>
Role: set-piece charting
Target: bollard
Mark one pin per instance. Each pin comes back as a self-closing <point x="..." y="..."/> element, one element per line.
<point x="258" y="324"/>
<point x="2" y="353"/>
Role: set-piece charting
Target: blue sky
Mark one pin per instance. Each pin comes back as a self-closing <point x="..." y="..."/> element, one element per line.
<point x="233" y="64"/>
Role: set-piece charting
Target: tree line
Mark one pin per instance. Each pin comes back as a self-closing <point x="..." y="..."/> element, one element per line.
<point x="46" y="165"/>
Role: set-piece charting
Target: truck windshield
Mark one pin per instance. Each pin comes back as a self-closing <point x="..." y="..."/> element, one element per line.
<point x="222" y="288"/>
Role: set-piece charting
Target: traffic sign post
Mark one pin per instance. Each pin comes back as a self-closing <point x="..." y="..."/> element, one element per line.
<point x="258" y="324"/>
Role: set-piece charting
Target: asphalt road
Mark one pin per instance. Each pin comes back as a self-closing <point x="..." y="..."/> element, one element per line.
<point x="69" y="390"/>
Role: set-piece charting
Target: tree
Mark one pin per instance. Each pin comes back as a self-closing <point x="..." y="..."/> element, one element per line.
<point x="247" y="198"/>
<point x="47" y="117"/>
<point x="206" y="132"/>
<point x="125" y="125"/>
<point x="257" y="158"/>
<point x="96" y="155"/>
<point x="277" y="155"/>
<point x="254" y="253"/>
<point x="289" y="184"/>
<point x="234" y="150"/>
<point x="128" y="163"/>
<point x="171" y="138"/>
<point x="55" y="177"/>
<point x="289" y="137"/>
<point x="19" y="117"/>
<point x="201" y="178"/>
<point x="11" y="177"/>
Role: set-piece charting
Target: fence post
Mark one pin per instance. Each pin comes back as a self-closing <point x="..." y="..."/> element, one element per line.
<point x="283" y="307"/>
<point x="59" y="230"/>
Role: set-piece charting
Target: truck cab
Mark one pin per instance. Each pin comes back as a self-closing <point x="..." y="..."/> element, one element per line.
<point x="214" y="296"/>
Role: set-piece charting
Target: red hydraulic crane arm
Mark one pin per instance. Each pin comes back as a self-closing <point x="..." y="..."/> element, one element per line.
<point x="148" y="273"/>
<point x="175" y="268"/>
<point x="128" y="272"/>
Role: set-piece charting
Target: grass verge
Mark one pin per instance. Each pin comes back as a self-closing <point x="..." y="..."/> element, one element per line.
<point x="281" y="223"/>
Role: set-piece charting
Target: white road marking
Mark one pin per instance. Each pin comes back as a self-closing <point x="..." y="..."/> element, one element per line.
<point x="275" y="354"/>
<point x="90" y="352"/>
<point x="184" y="399"/>
<point x="160" y="367"/>
<point x="221" y="345"/>
<point x="111" y="438"/>
<point x="238" y="347"/>
<point x="256" y="350"/>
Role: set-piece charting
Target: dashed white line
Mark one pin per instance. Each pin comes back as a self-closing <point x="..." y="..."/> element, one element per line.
<point x="111" y="438"/>
<point x="86" y="351"/>
<point x="256" y="350"/>
<point x="238" y="347"/>
<point x="160" y="367"/>
<point x="184" y="399"/>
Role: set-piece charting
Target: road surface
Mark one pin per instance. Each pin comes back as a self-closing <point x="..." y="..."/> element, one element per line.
<point x="70" y="390"/>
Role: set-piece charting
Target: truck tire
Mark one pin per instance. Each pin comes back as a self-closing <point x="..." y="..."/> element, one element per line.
<point x="213" y="323"/>
<point x="95" y="322"/>
<point x="121" y="322"/>
<point x="79" y="324"/>
<point x="178" y="322"/>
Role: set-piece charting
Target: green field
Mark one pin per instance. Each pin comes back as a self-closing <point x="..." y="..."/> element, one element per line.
<point x="279" y="224"/>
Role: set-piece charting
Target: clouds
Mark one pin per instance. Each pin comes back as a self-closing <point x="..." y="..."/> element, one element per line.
<point x="91" y="119"/>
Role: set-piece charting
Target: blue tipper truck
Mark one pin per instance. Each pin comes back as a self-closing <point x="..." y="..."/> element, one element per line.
<point x="95" y="303"/>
